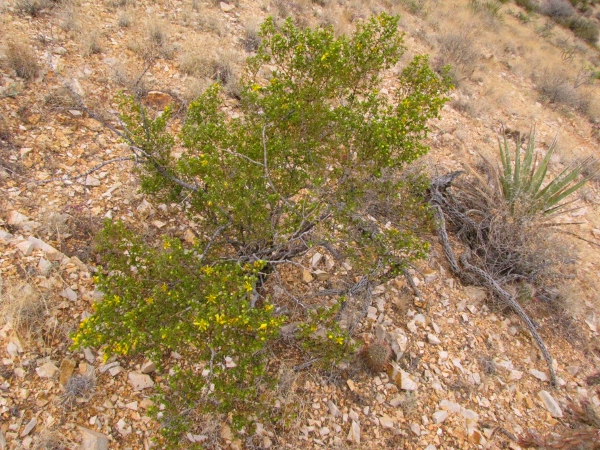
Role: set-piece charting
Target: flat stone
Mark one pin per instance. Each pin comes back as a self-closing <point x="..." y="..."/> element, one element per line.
<point x="469" y="414"/>
<point x="415" y="428"/>
<point x="148" y="367"/>
<point x="69" y="294"/>
<point x="30" y="426"/>
<point x="15" y="218"/>
<point x="433" y="339"/>
<point x="439" y="416"/>
<point x="573" y="370"/>
<point x="386" y="422"/>
<point x="89" y="355"/>
<point x="46" y="370"/>
<point x="550" y="404"/>
<point x="140" y="381"/>
<point x="226" y="7"/>
<point x="92" y="181"/>
<point x="107" y="367"/>
<point x="26" y="247"/>
<point x="538" y="374"/>
<point x="50" y="251"/>
<point x="515" y="375"/>
<point x="92" y="440"/>
<point x="306" y="276"/>
<point x="354" y="433"/>
<point x="450" y="406"/>
<point x="333" y="409"/>
<point x="44" y="266"/>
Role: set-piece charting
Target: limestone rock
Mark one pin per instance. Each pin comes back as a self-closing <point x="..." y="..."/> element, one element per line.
<point x="440" y="416"/>
<point x="354" y="433"/>
<point x="538" y="374"/>
<point x="226" y="7"/>
<point x="30" y="426"/>
<point x="46" y="370"/>
<point x="148" y="367"/>
<point x="92" y="181"/>
<point x="140" y="381"/>
<point x="92" y="440"/>
<point x="386" y="422"/>
<point x="550" y="404"/>
<point x="433" y="339"/>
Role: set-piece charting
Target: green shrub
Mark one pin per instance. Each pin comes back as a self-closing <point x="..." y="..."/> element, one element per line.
<point x="316" y="156"/>
<point x="527" y="5"/>
<point x="584" y="29"/>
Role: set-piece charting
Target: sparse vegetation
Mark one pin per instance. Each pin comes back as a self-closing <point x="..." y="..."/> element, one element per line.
<point x="22" y="60"/>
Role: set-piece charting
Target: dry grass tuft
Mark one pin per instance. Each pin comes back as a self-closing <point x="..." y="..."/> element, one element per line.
<point x="61" y="98"/>
<point x="458" y="51"/>
<point x="156" y="43"/>
<point x="92" y="43"/>
<point x="23" y="306"/>
<point x="22" y="60"/>
<point x="78" y="386"/>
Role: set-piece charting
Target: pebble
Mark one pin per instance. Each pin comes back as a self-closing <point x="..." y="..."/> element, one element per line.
<point x="67" y="366"/>
<point x="12" y="349"/>
<point x="333" y="409"/>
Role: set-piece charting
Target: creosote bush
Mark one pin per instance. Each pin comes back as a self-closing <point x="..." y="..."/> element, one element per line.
<point x="315" y="157"/>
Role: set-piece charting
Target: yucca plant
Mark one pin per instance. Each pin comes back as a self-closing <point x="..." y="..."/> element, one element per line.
<point x="523" y="181"/>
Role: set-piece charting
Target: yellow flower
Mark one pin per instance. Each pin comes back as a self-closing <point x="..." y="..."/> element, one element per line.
<point x="207" y="270"/>
<point x="324" y="57"/>
<point x="248" y="286"/>
<point x="255" y="87"/>
<point x="149" y="300"/>
<point x="211" y="298"/>
<point x="339" y="340"/>
<point x="202" y="324"/>
<point x="166" y="245"/>
<point x="220" y="318"/>
<point x="263" y="326"/>
<point x="268" y="307"/>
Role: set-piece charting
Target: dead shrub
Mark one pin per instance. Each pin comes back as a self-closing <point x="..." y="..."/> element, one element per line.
<point x="557" y="9"/>
<point x="556" y="87"/>
<point x="251" y="37"/>
<point x="50" y="441"/>
<point x="125" y="19"/>
<point x="211" y="22"/>
<point x="22" y="60"/>
<point x="5" y="134"/>
<point x="61" y="98"/>
<point x="92" y="43"/>
<point x="156" y="44"/>
<point x="456" y="50"/>
<point x="33" y="8"/>
<point x="193" y="64"/>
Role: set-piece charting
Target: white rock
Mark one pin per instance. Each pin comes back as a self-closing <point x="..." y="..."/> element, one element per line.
<point x="12" y="349"/>
<point x="550" y="404"/>
<point x="15" y="218"/>
<point x="515" y="375"/>
<point x="324" y="431"/>
<point x="69" y="294"/>
<point x="44" y="266"/>
<point x="92" y="440"/>
<point x="433" y="339"/>
<point x="386" y="422"/>
<point x="354" y="433"/>
<point x="148" y="367"/>
<point x="106" y="367"/>
<point x="573" y="370"/>
<point x="30" y="426"/>
<point x="50" y="251"/>
<point x="225" y="7"/>
<point x="539" y="375"/>
<point x="123" y="428"/>
<point x="469" y="414"/>
<point x="26" y="247"/>
<point x="431" y="447"/>
<point x="132" y="406"/>
<point x="91" y="181"/>
<point x="2" y="440"/>
<point x="415" y="428"/>
<point x="89" y="355"/>
<point x="5" y="236"/>
<point x="450" y="406"/>
<point x="47" y="370"/>
<point x="333" y="409"/>
<point x="439" y="416"/>
<point x="140" y="381"/>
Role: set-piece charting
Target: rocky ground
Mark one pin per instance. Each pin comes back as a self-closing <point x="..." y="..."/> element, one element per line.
<point x="466" y="367"/>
